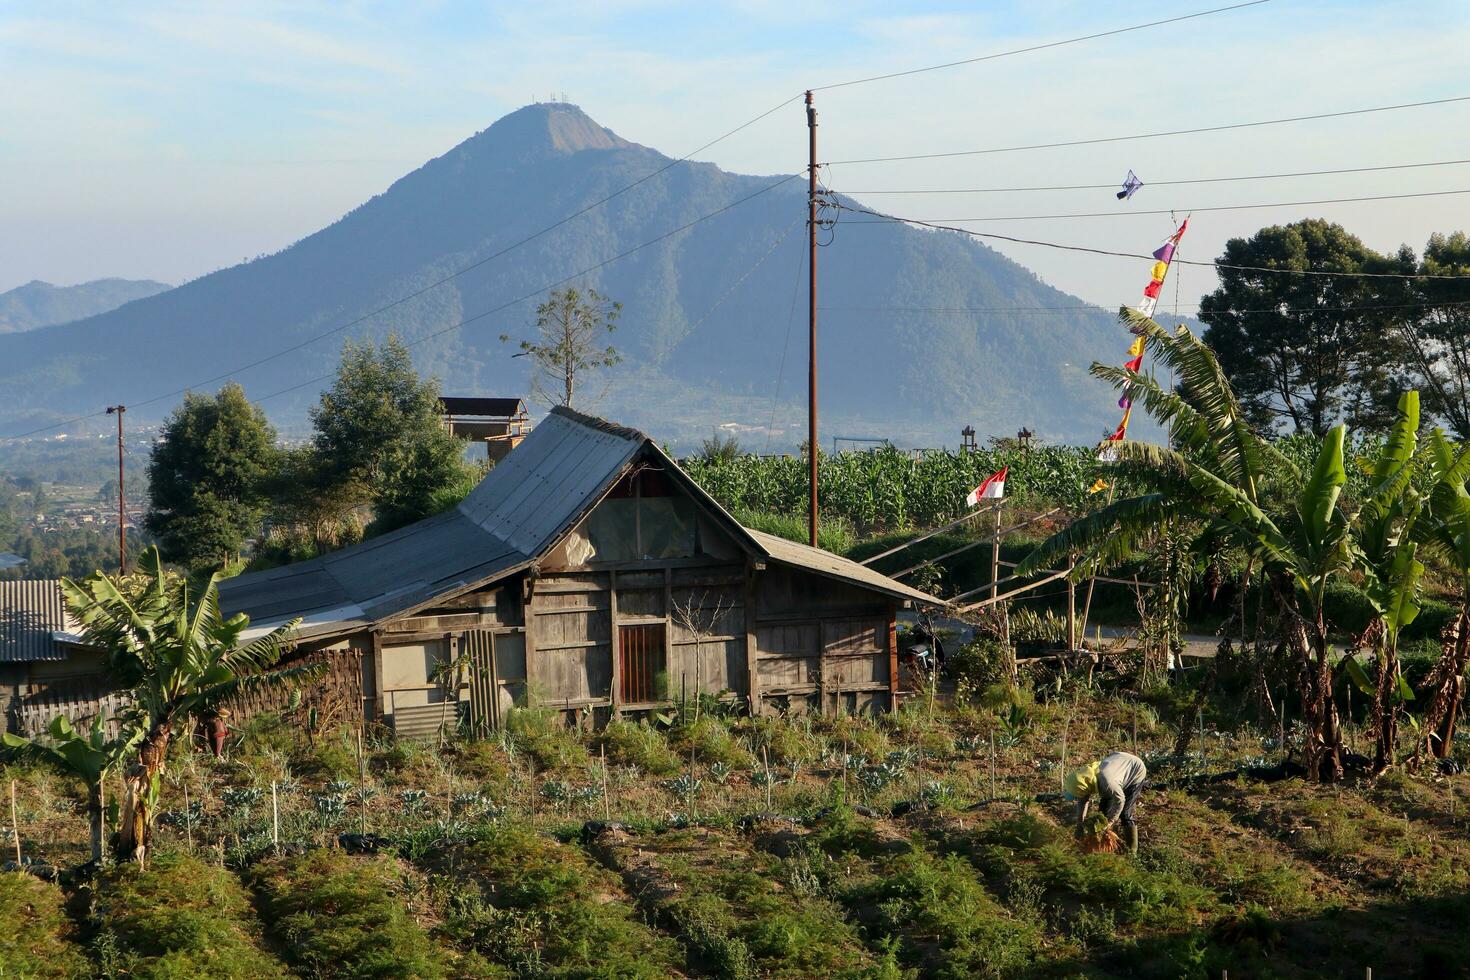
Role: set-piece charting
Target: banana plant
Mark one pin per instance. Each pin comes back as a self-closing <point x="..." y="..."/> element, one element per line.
<point x="166" y="638"/>
<point x="1213" y="475"/>
<point x="1446" y="530"/>
<point x="1387" y="553"/>
<point x="89" y="757"/>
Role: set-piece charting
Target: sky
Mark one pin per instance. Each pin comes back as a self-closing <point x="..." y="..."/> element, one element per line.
<point x="167" y="140"/>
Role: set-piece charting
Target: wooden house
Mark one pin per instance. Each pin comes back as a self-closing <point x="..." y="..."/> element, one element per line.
<point x="587" y="572"/>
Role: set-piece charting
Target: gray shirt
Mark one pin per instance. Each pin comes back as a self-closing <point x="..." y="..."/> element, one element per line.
<point x="1120" y="775"/>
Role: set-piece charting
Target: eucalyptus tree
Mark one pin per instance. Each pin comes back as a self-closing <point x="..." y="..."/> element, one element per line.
<point x="167" y="641"/>
<point x="1214" y="475"/>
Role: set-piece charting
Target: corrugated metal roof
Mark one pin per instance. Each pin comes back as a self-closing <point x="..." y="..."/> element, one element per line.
<point x="835" y="566"/>
<point x="31" y="611"/>
<point x="10" y="560"/>
<point x="518" y="513"/>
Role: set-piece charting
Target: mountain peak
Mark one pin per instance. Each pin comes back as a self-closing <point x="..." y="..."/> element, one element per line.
<point x="550" y="129"/>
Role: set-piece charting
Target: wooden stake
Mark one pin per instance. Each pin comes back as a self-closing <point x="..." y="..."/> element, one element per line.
<point x="606" y="802"/>
<point x="275" y="820"/>
<point x="188" y="819"/>
<point x="362" y="786"/>
<point x="766" y="761"/>
<point x="14" y="822"/>
<point x="992" y="766"/>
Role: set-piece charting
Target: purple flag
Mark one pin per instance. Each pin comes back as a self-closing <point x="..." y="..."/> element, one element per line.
<point x="1131" y="183"/>
<point x="1164" y="252"/>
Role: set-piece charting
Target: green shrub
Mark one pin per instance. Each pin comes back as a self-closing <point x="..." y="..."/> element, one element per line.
<point x="710" y="740"/>
<point x="529" y="892"/>
<point x="785" y="741"/>
<point x="181" y="918"/>
<point x="339" y="916"/>
<point x="632" y="744"/>
<point x="540" y="733"/>
<point x="921" y="896"/>
<point x="979" y="664"/>
<point x="37" y="939"/>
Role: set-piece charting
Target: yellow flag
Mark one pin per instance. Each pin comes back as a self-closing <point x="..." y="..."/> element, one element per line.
<point x="1099" y="486"/>
<point x="1137" y="347"/>
<point x="1160" y="270"/>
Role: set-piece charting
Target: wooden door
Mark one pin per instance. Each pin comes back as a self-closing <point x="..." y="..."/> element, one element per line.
<point x="643" y="659"/>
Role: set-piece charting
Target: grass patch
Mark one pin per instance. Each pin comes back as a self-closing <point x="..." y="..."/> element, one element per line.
<point x="37" y="939"/>
<point x="340" y="916"/>
<point x="629" y="743"/>
<point x="540" y="908"/>
<point x="179" y="918"/>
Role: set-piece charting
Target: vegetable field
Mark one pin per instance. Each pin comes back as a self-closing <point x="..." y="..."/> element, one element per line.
<point x="929" y="843"/>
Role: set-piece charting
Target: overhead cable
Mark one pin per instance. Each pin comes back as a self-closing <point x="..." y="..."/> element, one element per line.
<point x="1161" y="183"/>
<point x="1140" y="255"/>
<point x="1038" y="47"/>
<point x="1224" y="207"/>
<point x="1148" y="136"/>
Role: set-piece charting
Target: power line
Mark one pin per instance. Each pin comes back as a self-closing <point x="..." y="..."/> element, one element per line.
<point x="455" y="326"/>
<point x="744" y="276"/>
<point x="1162" y="183"/>
<point x="1037" y="47"/>
<point x="1139" y="255"/>
<point x="965" y="310"/>
<point x="1223" y="207"/>
<point x="1146" y="136"/>
<point x="552" y="285"/>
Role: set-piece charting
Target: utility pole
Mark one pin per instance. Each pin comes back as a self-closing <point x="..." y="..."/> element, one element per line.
<point x="122" y="513"/>
<point x="811" y="384"/>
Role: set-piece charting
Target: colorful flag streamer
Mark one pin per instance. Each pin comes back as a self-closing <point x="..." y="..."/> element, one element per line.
<point x="1131" y="184"/>
<point x="1163" y="255"/>
<point x="1099" y="486"/>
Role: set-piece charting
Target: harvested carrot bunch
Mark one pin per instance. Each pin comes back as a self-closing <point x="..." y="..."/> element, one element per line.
<point x="1096" y="837"/>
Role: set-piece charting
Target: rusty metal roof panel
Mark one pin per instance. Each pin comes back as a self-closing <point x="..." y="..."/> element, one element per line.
<point x="32" y="611"/>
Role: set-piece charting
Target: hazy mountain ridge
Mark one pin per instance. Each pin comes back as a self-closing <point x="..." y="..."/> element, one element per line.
<point x="915" y="376"/>
<point x="40" y="304"/>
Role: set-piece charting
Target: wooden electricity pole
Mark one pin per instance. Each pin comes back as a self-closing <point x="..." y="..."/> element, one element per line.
<point x="811" y="383"/>
<point x="122" y="514"/>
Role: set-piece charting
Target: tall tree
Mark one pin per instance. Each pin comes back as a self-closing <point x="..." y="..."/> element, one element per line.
<point x="1309" y="350"/>
<point x="1437" y="333"/>
<point x="570" y="326"/>
<point x="379" y="432"/>
<point x="168" y="642"/>
<point x="206" y="493"/>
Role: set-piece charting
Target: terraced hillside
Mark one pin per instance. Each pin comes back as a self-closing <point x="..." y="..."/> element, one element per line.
<point x="930" y="843"/>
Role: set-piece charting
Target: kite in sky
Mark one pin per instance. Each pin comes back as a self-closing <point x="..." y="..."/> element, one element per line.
<point x="1131" y="183"/>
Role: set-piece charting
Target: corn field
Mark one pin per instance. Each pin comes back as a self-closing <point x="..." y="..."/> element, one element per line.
<point x="889" y="489"/>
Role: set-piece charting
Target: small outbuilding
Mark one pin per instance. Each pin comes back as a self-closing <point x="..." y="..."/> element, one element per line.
<point x="588" y="573"/>
<point x="44" y="663"/>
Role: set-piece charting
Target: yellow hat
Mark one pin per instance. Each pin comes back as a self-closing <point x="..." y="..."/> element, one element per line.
<point x="1081" y="784"/>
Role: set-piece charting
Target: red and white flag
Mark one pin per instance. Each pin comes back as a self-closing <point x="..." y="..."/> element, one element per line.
<point x="993" y="488"/>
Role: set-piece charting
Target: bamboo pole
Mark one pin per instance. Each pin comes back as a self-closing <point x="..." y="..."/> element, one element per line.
<point x="275" y="820"/>
<point x="926" y="536"/>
